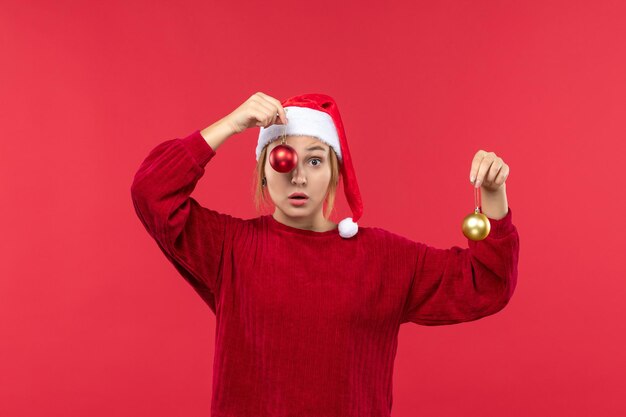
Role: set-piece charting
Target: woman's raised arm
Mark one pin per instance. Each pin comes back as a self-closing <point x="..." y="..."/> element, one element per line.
<point x="191" y="236"/>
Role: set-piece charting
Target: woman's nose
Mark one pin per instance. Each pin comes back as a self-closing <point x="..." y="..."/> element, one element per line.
<point x="298" y="179"/>
<point x="297" y="175"/>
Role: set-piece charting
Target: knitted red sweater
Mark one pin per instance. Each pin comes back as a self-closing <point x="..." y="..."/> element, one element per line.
<point x="307" y="322"/>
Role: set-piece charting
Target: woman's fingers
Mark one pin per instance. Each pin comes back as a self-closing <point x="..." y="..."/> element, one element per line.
<point x="261" y="117"/>
<point x="502" y="175"/>
<point x="496" y="166"/>
<point x="279" y="110"/>
<point x="475" y="170"/>
<point x="267" y="110"/>
<point x="488" y="168"/>
<point x="480" y="166"/>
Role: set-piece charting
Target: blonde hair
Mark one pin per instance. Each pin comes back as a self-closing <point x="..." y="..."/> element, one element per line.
<point x="260" y="196"/>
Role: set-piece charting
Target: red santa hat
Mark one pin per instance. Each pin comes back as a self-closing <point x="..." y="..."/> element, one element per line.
<point x="317" y="115"/>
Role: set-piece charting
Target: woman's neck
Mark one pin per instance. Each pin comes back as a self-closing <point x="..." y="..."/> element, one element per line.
<point x="319" y="224"/>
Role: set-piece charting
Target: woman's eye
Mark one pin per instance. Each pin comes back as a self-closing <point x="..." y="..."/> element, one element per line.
<point x="316" y="159"/>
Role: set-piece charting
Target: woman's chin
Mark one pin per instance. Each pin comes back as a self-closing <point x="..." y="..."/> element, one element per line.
<point x="298" y="210"/>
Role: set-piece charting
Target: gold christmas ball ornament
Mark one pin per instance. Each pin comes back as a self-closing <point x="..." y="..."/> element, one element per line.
<point x="476" y="226"/>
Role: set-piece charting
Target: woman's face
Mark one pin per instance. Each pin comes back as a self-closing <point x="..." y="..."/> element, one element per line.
<point x="311" y="176"/>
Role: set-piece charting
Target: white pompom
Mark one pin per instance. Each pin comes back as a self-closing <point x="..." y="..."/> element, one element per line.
<point x="348" y="228"/>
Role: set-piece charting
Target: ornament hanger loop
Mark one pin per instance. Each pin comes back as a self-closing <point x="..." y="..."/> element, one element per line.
<point x="284" y="135"/>
<point x="477" y="203"/>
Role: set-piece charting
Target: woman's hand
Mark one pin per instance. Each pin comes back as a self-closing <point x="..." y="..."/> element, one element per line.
<point x="488" y="171"/>
<point x="259" y="110"/>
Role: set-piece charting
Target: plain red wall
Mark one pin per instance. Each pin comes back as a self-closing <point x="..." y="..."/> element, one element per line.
<point x="95" y="321"/>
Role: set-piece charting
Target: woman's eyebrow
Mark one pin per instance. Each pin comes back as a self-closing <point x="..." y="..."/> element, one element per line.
<point x="313" y="148"/>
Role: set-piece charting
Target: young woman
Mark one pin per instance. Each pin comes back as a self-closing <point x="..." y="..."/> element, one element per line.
<point x="308" y="311"/>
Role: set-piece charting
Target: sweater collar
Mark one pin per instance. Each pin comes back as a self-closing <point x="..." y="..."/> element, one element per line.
<point x="275" y="224"/>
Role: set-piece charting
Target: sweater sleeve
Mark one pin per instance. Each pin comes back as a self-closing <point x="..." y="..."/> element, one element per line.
<point x="457" y="285"/>
<point x="192" y="237"/>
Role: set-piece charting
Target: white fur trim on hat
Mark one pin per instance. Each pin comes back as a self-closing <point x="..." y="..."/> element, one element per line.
<point x="348" y="228"/>
<point x="302" y="121"/>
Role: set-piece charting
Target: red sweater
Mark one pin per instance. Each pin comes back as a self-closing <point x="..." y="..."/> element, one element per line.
<point x="307" y="322"/>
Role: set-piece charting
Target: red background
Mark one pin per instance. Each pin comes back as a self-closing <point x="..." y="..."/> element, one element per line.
<point x="95" y="321"/>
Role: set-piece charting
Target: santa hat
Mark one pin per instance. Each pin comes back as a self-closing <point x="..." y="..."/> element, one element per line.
<point x="317" y="115"/>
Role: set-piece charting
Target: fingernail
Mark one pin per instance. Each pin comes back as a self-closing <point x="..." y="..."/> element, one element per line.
<point x="471" y="178"/>
<point x="477" y="184"/>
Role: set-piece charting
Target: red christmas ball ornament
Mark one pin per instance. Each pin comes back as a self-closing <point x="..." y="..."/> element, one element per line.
<point x="283" y="158"/>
